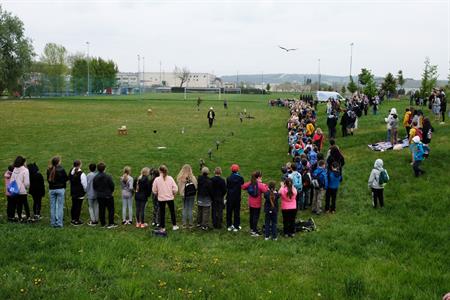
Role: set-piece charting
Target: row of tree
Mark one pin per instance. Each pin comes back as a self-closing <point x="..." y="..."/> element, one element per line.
<point x="54" y="72"/>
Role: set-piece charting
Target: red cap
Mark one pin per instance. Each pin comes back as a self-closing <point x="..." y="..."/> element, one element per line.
<point x="234" y="168"/>
<point x="297" y="146"/>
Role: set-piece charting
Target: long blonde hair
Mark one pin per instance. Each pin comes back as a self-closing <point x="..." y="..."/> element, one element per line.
<point x="186" y="174"/>
<point x="144" y="172"/>
<point x="126" y="174"/>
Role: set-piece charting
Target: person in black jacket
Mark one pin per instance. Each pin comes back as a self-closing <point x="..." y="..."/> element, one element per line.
<point x="234" y="183"/>
<point x="219" y="189"/>
<point x="204" y="199"/>
<point x="37" y="189"/>
<point x="78" y="185"/>
<point x="104" y="188"/>
<point x="211" y="116"/>
<point x="331" y="123"/>
<point x="57" y="178"/>
<point x="143" y="191"/>
<point x="344" y="123"/>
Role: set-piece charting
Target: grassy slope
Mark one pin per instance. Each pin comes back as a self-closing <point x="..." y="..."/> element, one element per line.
<point x="395" y="253"/>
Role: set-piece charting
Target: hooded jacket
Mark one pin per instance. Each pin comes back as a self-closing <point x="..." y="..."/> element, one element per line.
<point x="37" y="186"/>
<point x="234" y="183"/>
<point x="375" y="175"/>
<point x="22" y="177"/>
<point x="392" y="119"/>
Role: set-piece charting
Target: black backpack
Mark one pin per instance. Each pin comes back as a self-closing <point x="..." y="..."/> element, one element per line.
<point x="189" y="189"/>
<point x="305" y="226"/>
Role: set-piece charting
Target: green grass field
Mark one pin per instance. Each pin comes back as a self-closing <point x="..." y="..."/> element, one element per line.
<point x="399" y="252"/>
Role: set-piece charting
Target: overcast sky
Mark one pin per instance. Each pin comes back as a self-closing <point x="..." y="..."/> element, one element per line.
<point x="226" y="37"/>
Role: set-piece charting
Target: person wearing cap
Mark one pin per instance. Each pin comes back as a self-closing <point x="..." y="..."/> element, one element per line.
<point x="211" y="116"/>
<point x="418" y="152"/>
<point x="234" y="183"/>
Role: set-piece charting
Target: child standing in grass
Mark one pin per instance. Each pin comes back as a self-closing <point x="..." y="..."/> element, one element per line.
<point x="126" y="184"/>
<point x="143" y="191"/>
<point x="288" y="196"/>
<point x="10" y="206"/>
<point x="186" y="179"/>
<point x="92" y="198"/>
<point x="37" y="189"/>
<point x="255" y="189"/>
<point x="334" y="180"/>
<point x="376" y="185"/>
<point x="165" y="188"/>
<point x="271" y="211"/>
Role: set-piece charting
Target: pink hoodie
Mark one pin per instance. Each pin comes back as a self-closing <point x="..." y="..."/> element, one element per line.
<point x="165" y="189"/>
<point x="255" y="202"/>
<point x="22" y="177"/>
<point x="286" y="202"/>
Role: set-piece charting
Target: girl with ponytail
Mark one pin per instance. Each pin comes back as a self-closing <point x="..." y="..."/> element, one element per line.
<point x="57" y="178"/>
<point x="288" y="207"/>
<point x="271" y="211"/>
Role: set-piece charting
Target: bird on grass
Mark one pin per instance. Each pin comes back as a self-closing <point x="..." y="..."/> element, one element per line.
<point x="287" y="49"/>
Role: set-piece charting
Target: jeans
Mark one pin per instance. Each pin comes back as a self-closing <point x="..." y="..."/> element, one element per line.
<point x="93" y="209"/>
<point x="270" y="225"/>
<point x="416" y="167"/>
<point x="203" y="215"/>
<point x="127" y="202"/>
<point x="188" y="206"/>
<point x="57" y="207"/>
<point x="388" y="135"/>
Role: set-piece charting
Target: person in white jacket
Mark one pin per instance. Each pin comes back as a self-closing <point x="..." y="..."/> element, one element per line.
<point x="392" y="125"/>
<point x="375" y="185"/>
<point x="21" y="176"/>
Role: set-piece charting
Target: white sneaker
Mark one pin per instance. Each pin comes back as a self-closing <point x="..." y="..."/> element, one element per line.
<point x="175" y="227"/>
<point x="231" y="228"/>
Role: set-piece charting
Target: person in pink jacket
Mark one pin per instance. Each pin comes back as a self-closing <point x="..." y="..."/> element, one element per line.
<point x="21" y="175"/>
<point x="255" y="189"/>
<point x="165" y="188"/>
<point x="288" y="207"/>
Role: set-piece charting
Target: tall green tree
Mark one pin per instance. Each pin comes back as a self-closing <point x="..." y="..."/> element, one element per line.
<point x="352" y="86"/>
<point x="364" y="76"/>
<point x="343" y="90"/>
<point x="79" y="80"/>
<point x="54" y="58"/>
<point x="102" y="74"/>
<point x="367" y="79"/>
<point x="389" y="84"/>
<point x="429" y="78"/>
<point x="16" y="52"/>
<point x="400" y="79"/>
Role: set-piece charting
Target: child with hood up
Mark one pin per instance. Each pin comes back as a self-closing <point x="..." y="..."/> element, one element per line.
<point x="392" y="126"/>
<point x="37" y="189"/>
<point x="376" y="184"/>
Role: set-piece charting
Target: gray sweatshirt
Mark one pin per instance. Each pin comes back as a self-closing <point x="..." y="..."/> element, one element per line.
<point x="375" y="175"/>
<point x="89" y="187"/>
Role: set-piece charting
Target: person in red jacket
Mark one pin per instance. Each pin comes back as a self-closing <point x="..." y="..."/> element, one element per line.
<point x="255" y="189"/>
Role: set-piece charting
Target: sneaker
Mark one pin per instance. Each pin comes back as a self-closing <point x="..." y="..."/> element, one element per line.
<point x="79" y="222"/>
<point x="73" y="222"/>
<point x="92" y="223"/>
<point x="205" y="228"/>
<point x="110" y="226"/>
<point x="275" y="239"/>
<point x="138" y="225"/>
<point x="235" y="230"/>
<point x="37" y="217"/>
<point x="266" y="239"/>
<point x="124" y="222"/>
<point x="255" y="234"/>
<point x="144" y="225"/>
<point x="153" y="224"/>
<point x="175" y="227"/>
<point x="230" y="228"/>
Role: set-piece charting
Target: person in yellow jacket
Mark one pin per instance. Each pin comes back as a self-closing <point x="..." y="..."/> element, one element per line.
<point x="309" y="129"/>
<point x="406" y="121"/>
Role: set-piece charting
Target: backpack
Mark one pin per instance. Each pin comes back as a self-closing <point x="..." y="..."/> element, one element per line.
<point x="252" y="190"/>
<point x="297" y="181"/>
<point x="13" y="188"/>
<point x="383" y="178"/>
<point x="306" y="180"/>
<point x="316" y="181"/>
<point x="305" y="226"/>
<point x="189" y="189"/>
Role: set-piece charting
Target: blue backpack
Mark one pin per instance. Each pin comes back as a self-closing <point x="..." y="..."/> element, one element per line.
<point x="252" y="190"/>
<point x="297" y="180"/>
<point x="13" y="188"/>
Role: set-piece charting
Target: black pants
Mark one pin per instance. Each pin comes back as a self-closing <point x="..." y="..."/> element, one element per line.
<point x="416" y="167"/>
<point x="75" y="211"/>
<point x="103" y="204"/>
<point x="217" y="212"/>
<point x="140" y="210"/>
<point x="289" y="220"/>
<point x="377" y="196"/>
<point x="443" y="115"/>
<point x="330" y="194"/>
<point x="331" y="132"/>
<point x="37" y="202"/>
<point x="155" y="209"/>
<point x="234" y="213"/>
<point x="162" y="213"/>
<point x="10" y="207"/>
<point x="344" y="131"/>
<point x="210" y="121"/>
<point x="254" y="218"/>
<point x="21" y="202"/>
<point x="407" y="131"/>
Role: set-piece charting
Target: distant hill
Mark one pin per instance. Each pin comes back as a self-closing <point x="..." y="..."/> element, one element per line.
<point x="301" y="78"/>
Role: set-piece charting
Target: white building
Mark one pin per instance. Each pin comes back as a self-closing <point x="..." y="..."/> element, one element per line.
<point x="154" y="79"/>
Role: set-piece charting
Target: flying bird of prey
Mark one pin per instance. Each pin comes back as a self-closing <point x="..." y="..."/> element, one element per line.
<point x="286" y="49"/>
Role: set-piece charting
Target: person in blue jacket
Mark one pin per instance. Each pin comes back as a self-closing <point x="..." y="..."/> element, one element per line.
<point x="334" y="180"/>
<point x="320" y="184"/>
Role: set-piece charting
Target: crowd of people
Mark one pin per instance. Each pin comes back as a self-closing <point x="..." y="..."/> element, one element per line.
<point x="436" y="102"/>
<point x="312" y="175"/>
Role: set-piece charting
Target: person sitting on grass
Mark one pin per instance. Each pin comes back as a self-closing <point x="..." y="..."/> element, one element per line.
<point x="104" y="187"/>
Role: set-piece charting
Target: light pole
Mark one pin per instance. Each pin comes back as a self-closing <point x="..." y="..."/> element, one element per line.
<point x="143" y="73"/>
<point x="139" y="73"/>
<point x="351" y="57"/>
<point x="318" y="88"/>
<point x="89" y="75"/>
